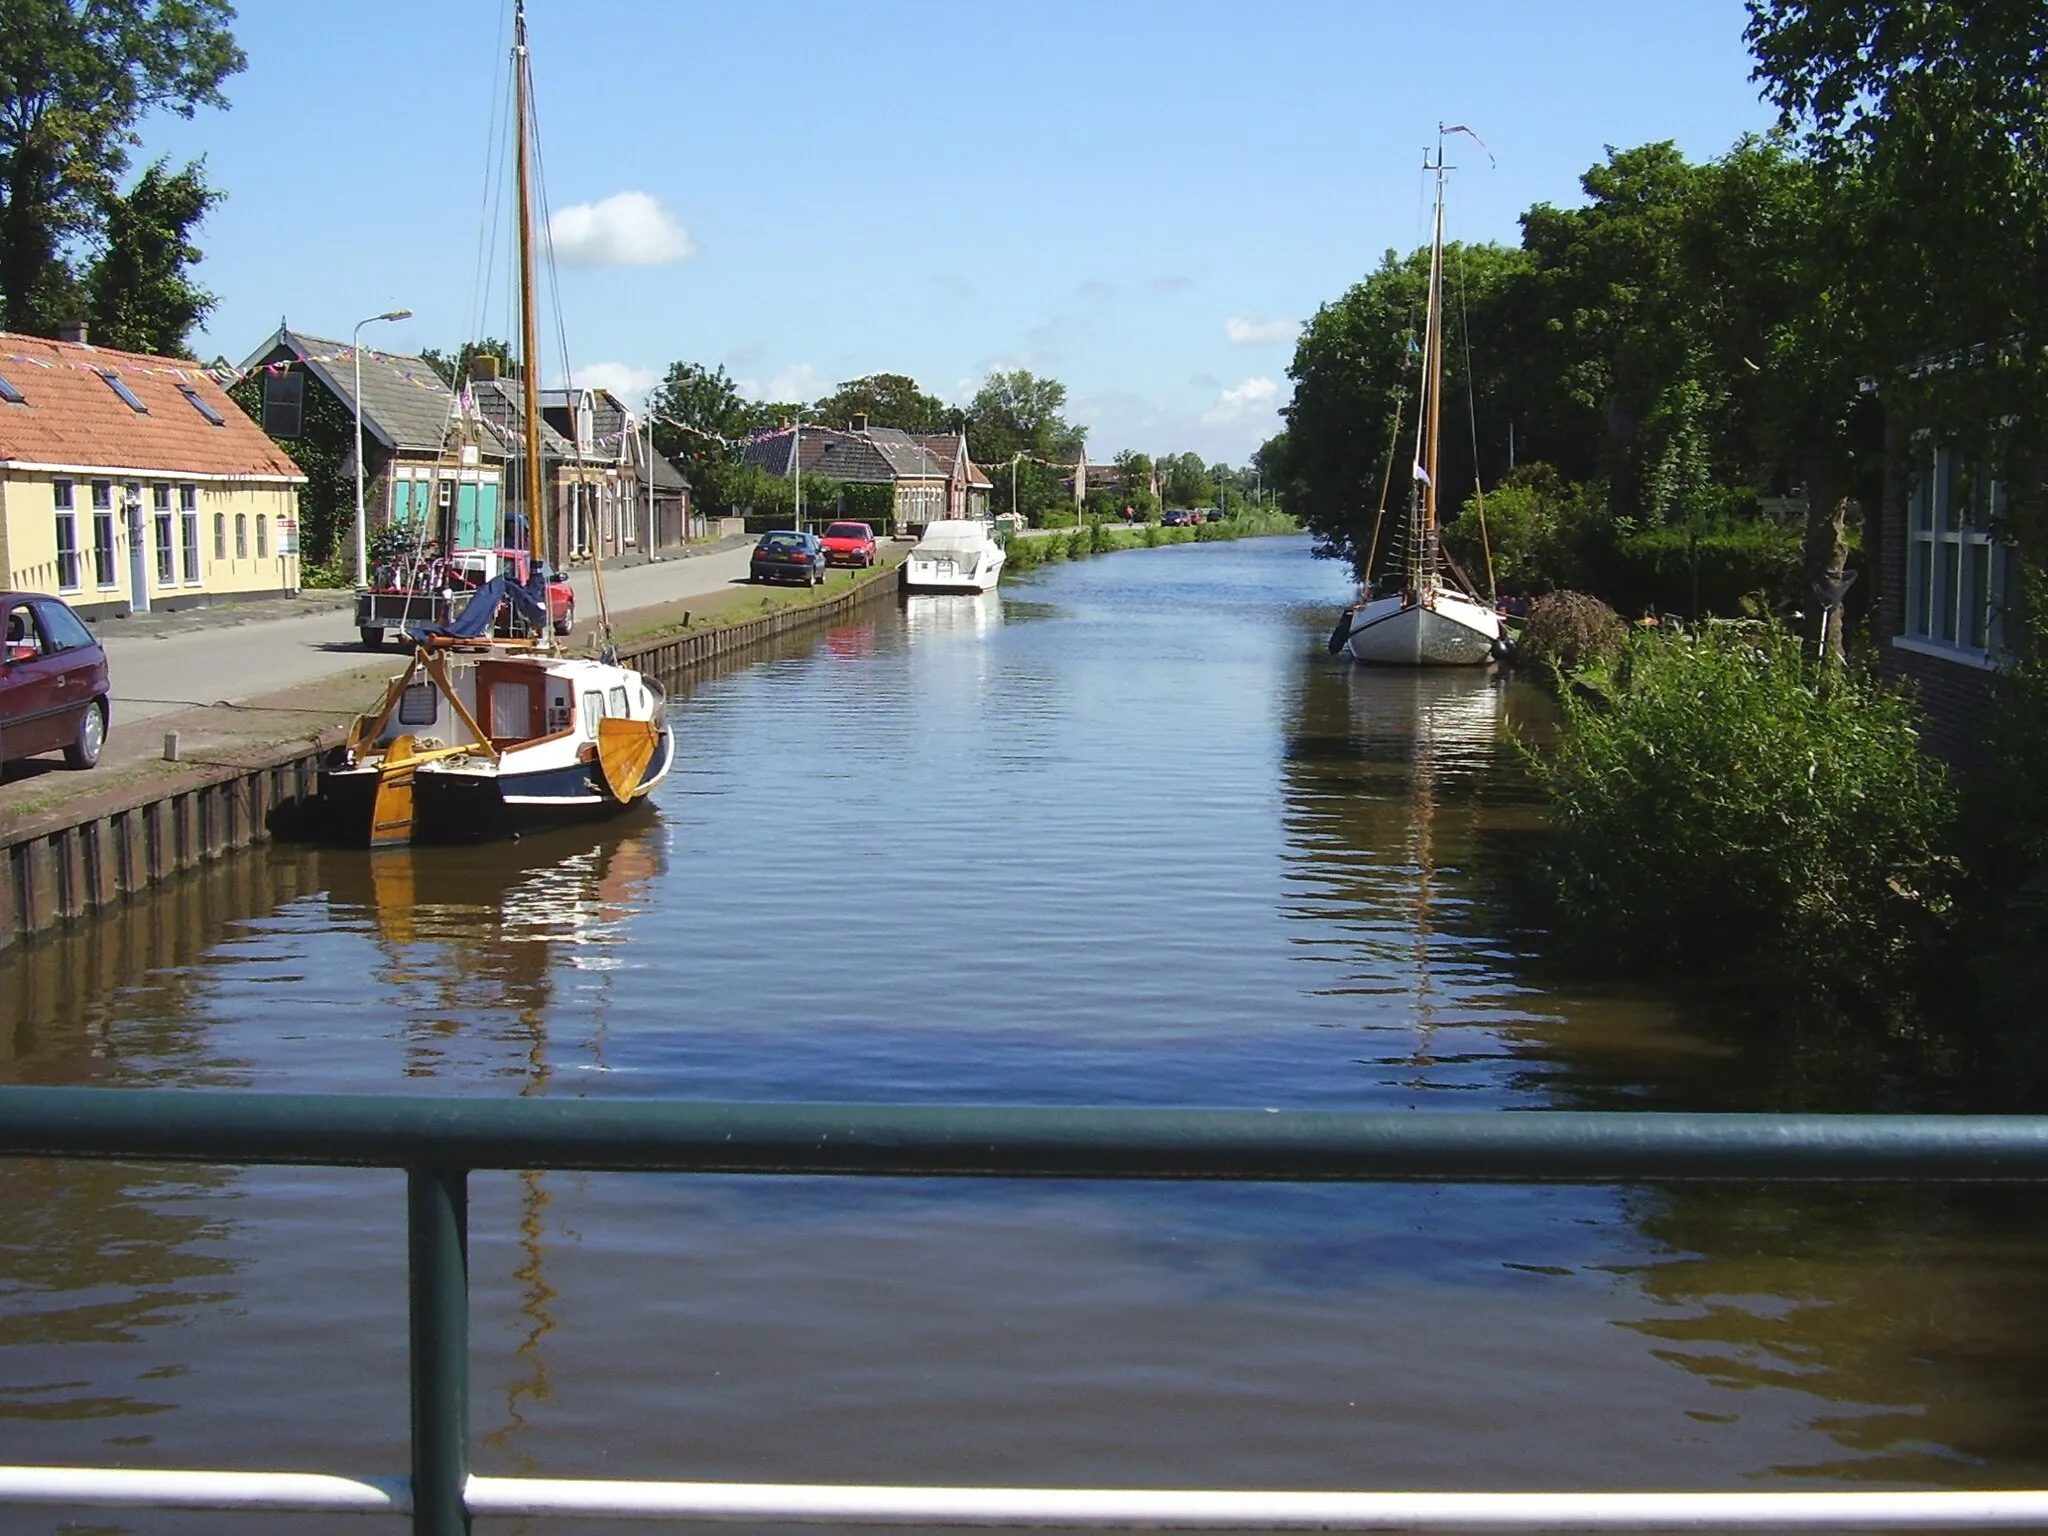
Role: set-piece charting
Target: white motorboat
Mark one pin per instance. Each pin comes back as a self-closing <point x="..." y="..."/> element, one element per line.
<point x="955" y="555"/>
<point x="490" y="730"/>
<point x="1432" y="621"/>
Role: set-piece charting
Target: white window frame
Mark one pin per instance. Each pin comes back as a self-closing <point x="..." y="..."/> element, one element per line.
<point x="64" y="505"/>
<point x="106" y="538"/>
<point x="188" y="534"/>
<point x="1957" y="573"/>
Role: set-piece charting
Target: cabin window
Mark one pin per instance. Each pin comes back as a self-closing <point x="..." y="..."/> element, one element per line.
<point x="1956" y="572"/>
<point x="618" y="707"/>
<point x="420" y="704"/>
<point x="67" y="537"/>
<point x="593" y="711"/>
<point x="511" y="709"/>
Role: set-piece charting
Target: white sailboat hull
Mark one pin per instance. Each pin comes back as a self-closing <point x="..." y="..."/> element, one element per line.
<point x="1430" y="629"/>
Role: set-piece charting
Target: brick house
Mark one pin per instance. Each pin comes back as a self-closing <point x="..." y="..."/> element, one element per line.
<point x="930" y="475"/>
<point x="430" y="463"/>
<point x="1947" y="587"/>
<point x="130" y="482"/>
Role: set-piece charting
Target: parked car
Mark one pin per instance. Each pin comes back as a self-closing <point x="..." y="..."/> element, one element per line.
<point x="785" y="555"/>
<point x="53" y="682"/>
<point x="1178" y="518"/>
<point x="850" y="544"/>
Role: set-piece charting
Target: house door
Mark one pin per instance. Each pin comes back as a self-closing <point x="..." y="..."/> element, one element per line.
<point x="470" y="531"/>
<point x="138" y="554"/>
<point x="488" y="519"/>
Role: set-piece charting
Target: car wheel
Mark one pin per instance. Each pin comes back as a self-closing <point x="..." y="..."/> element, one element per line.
<point x="84" y="750"/>
<point x="567" y="621"/>
<point x="373" y="639"/>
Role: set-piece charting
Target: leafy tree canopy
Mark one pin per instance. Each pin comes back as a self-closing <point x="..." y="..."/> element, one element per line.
<point x="1018" y="412"/>
<point x="140" y="296"/>
<point x="75" y="80"/>
<point x="887" y="400"/>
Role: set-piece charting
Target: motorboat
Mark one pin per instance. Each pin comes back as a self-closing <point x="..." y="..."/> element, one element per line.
<point x="955" y="555"/>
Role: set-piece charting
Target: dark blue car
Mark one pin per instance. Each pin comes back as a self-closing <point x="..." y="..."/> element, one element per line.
<point x="786" y="555"/>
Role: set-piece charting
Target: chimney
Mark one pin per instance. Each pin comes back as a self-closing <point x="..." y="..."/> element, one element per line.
<point x="72" y="331"/>
<point x="483" y="366"/>
<point x="860" y="421"/>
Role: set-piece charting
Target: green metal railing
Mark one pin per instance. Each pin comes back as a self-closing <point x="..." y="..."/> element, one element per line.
<point x="439" y="1141"/>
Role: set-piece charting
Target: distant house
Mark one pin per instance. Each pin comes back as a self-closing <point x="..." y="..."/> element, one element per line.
<point x="930" y="475"/>
<point x="669" y="518"/>
<point x="431" y="465"/>
<point x="130" y="482"/>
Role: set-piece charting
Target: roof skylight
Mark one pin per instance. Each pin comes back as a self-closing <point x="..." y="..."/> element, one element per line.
<point x="119" y="386"/>
<point x="9" y="393"/>
<point x="202" y="405"/>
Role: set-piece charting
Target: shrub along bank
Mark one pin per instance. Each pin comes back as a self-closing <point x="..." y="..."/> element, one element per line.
<point x="1722" y="803"/>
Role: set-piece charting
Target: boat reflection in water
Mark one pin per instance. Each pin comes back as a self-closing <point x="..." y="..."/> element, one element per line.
<point x="928" y="615"/>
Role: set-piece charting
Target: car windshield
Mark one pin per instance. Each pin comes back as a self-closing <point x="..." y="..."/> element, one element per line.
<point x="847" y="531"/>
<point x="781" y="541"/>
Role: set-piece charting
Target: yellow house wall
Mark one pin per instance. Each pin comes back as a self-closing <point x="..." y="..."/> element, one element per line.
<point x="28" y="552"/>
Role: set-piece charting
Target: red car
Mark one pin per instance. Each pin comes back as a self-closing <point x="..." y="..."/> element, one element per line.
<point x="53" y="682"/>
<point x="850" y="544"/>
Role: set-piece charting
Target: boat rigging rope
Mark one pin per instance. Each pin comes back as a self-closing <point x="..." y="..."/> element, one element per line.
<point x="1386" y="484"/>
<point x="1472" y="416"/>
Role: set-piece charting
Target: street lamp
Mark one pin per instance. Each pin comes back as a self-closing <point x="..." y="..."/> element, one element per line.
<point x="362" y="531"/>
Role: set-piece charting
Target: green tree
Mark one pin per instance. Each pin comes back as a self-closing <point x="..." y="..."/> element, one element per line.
<point x="887" y="400"/>
<point x="456" y="369"/>
<point x="1134" y="485"/>
<point x="1020" y="412"/>
<point x="141" y="296"/>
<point x="75" y="80"/>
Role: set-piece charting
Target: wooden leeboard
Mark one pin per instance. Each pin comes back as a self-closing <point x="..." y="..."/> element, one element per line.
<point x="391" y="812"/>
<point x="624" y="749"/>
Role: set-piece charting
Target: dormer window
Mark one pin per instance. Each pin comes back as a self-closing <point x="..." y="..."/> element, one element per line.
<point x="120" y="387"/>
<point x="202" y="405"/>
<point x="9" y="393"/>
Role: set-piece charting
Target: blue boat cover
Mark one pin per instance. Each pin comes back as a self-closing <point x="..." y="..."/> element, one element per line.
<point x="529" y="602"/>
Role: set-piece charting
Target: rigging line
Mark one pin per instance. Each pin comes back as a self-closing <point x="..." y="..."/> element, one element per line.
<point x="1472" y="416"/>
<point x="1386" y="485"/>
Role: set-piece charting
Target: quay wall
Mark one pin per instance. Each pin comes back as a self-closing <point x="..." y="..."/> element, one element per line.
<point x="102" y="850"/>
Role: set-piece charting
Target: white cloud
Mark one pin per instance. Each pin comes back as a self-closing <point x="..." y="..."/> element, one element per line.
<point x="627" y="229"/>
<point x="1240" y="401"/>
<point x="801" y="382"/>
<point x="630" y="384"/>
<point x="1245" y="328"/>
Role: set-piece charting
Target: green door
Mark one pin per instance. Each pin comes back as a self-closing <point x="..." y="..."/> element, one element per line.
<point x="488" y="513"/>
<point x="470" y="530"/>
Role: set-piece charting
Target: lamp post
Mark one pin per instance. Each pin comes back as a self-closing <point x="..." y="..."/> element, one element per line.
<point x="362" y="531"/>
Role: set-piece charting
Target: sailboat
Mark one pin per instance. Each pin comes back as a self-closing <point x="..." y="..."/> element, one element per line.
<point x="1431" y="621"/>
<point x="484" y="735"/>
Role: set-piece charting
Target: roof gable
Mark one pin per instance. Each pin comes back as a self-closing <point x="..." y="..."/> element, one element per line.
<point x="407" y="406"/>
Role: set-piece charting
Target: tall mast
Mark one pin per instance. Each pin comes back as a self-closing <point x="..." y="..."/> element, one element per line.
<point x="1435" y="362"/>
<point x="529" y="347"/>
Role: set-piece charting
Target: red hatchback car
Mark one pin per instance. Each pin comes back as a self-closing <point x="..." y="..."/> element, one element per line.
<point x="850" y="544"/>
<point x="53" y="682"/>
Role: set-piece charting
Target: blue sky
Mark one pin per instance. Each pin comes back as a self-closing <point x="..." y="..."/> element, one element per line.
<point x="1139" y="199"/>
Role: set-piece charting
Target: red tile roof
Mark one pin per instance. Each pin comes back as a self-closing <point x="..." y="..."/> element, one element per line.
<point x="71" y="416"/>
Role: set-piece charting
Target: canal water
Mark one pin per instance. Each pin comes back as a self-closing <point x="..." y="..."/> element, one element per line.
<point x="1121" y="834"/>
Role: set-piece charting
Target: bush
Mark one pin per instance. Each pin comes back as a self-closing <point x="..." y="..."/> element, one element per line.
<point x="1569" y="630"/>
<point x="1720" y="803"/>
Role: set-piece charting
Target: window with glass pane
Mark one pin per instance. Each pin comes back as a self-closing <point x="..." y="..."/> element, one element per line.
<point x="166" y="568"/>
<point x="103" y="532"/>
<point x="188" y="545"/>
<point x="262" y="537"/>
<point x="241" y="535"/>
<point x="67" y="537"/>
<point x="220" y="535"/>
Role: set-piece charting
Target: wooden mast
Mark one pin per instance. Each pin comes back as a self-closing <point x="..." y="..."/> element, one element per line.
<point x="529" y="347"/>
<point x="1435" y="383"/>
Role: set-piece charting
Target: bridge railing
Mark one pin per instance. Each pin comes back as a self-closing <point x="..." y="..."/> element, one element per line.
<point x="438" y="1142"/>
